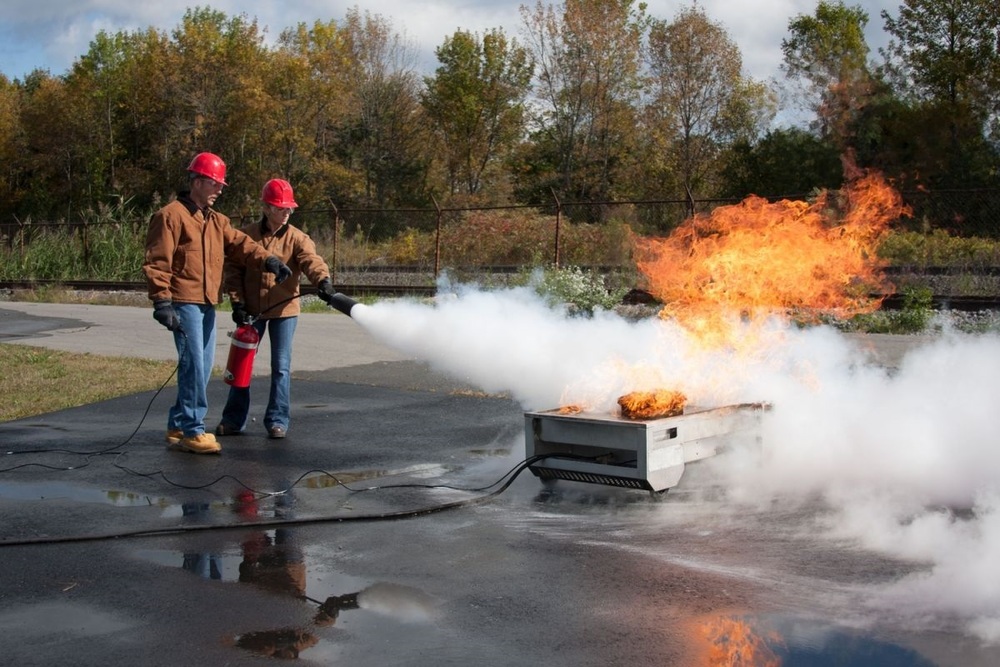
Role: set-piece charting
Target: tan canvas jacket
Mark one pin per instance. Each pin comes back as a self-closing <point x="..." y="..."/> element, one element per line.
<point x="185" y="249"/>
<point x="257" y="291"/>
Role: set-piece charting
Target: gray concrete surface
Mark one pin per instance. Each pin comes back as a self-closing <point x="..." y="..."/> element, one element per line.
<point x="378" y="533"/>
<point x="323" y="340"/>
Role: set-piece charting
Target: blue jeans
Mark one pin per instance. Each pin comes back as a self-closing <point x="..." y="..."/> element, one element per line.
<point x="280" y="331"/>
<point x="195" y="357"/>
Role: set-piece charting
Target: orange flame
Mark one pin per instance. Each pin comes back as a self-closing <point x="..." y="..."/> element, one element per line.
<point x="733" y="642"/>
<point x="652" y="404"/>
<point x="755" y="260"/>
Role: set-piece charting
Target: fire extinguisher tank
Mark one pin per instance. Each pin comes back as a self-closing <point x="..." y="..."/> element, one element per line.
<point x="242" y="350"/>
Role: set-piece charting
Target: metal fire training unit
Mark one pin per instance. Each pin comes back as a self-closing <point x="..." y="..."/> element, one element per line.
<point x="638" y="454"/>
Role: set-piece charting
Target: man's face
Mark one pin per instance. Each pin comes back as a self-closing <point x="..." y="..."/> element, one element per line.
<point x="204" y="191"/>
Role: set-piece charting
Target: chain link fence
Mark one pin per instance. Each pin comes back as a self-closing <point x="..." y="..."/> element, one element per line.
<point x="414" y="246"/>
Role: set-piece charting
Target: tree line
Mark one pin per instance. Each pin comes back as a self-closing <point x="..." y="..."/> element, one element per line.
<point x="592" y="101"/>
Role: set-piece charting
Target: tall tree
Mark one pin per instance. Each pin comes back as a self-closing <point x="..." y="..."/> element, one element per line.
<point x="829" y="52"/>
<point x="11" y="147"/>
<point x="220" y="60"/>
<point x="948" y="51"/>
<point x="313" y="82"/>
<point x="789" y="162"/>
<point x="55" y="137"/>
<point x="150" y="78"/>
<point x="588" y="55"/>
<point x="388" y="128"/>
<point x="476" y="102"/>
<point x="700" y="100"/>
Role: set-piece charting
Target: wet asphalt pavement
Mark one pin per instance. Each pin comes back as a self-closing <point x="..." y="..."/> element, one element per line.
<point x="382" y="531"/>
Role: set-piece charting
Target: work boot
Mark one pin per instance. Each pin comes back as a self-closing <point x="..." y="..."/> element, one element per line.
<point x="224" y="429"/>
<point x="203" y="443"/>
<point x="174" y="436"/>
<point x="275" y="433"/>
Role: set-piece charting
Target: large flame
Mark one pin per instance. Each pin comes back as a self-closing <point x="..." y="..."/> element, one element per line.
<point x="756" y="260"/>
<point x="652" y="404"/>
<point x="732" y="641"/>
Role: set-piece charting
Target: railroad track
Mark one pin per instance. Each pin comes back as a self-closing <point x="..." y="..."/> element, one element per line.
<point x="636" y="296"/>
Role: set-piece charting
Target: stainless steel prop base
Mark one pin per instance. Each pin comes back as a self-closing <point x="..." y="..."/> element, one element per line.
<point x="637" y="454"/>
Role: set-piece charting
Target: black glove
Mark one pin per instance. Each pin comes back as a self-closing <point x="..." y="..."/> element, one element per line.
<point x="240" y="314"/>
<point x="278" y="268"/>
<point x="325" y="290"/>
<point x="164" y="313"/>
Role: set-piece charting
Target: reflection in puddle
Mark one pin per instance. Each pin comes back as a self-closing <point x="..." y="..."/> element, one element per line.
<point x="284" y="644"/>
<point x="83" y="494"/>
<point x="267" y="559"/>
<point x="326" y="481"/>
<point x="786" y="641"/>
<point x="733" y="641"/>
<point x="273" y="561"/>
<point x="244" y="504"/>
<point x="402" y="603"/>
<point x="497" y="451"/>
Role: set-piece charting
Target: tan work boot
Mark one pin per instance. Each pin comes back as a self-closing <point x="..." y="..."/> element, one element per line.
<point x="174" y="436"/>
<point x="203" y="443"/>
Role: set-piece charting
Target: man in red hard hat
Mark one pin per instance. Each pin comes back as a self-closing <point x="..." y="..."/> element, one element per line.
<point x="186" y="243"/>
<point x="272" y="307"/>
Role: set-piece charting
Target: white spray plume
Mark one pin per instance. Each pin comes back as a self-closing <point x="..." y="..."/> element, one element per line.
<point x="893" y="451"/>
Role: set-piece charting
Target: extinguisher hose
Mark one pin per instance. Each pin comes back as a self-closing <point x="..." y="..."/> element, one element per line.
<point x="340" y="302"/>
<point x="254" y="318"/>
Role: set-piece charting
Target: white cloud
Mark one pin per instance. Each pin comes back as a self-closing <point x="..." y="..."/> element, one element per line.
<point x="51" y="34"/>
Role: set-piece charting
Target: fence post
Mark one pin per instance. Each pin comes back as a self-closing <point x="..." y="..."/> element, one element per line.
<point x="86" y="245"/>
<point x="437" y="239"/>
<point x="558" y="226"/>
<point x="20" y="242"/>
<point x="336" y="233"/>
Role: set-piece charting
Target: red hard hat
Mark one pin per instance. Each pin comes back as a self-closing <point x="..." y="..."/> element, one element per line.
<point x="278" y="192"/>
<point x="209" y="165"/>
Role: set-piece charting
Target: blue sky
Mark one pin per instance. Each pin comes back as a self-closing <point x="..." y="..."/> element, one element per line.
<point x="51" y="34"/>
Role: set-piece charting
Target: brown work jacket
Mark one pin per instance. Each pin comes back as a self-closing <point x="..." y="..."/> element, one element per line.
<point x="256" y="290"/>
<point x="185" y="248"/>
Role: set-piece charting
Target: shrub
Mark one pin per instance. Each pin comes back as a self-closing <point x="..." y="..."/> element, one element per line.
<point x="584" y="290"/>
<point x="913" y="317"/>
<point x="938" y="248"/>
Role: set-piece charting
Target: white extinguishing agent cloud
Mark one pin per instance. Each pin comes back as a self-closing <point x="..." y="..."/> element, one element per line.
<point x="891" y="451"/>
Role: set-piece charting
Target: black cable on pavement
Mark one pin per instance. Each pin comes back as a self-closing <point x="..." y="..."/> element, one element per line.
<point x="505" y="481"/>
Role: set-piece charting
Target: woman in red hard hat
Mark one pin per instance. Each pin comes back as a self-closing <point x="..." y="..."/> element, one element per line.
<point x="186" y="243"/>
<point x="272" y="307"/>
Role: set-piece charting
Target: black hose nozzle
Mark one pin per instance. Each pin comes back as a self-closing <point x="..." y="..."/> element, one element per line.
<point x="343" y="303"/>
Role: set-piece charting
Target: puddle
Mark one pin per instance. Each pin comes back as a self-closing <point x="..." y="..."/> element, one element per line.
<point x="35" y="623"/>
<point x="788" y="641"/>
<point x="83" y="494"/>
<point x="273" y="560"/>
<point x="496" y="451"/>
<point x="324" y="481"/>
<point x="285" y="644"/>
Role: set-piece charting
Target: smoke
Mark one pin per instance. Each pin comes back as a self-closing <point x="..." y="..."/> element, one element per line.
<point x="908" y="458"/>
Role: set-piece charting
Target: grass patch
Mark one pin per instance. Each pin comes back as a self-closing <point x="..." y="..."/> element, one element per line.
<point x="36" y="380"/>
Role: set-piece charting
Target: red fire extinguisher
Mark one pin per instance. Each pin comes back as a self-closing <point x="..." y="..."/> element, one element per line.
<point x="239" y="367"/>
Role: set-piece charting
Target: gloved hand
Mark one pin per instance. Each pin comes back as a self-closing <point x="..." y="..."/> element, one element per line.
<point x="240" y="314"/>
<point x="164" y="313"/>
<point x="325" y="290"/>
<point x="278" y="268"/>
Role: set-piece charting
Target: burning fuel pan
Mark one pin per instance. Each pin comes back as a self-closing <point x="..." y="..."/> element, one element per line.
<point x="637" y="454"/>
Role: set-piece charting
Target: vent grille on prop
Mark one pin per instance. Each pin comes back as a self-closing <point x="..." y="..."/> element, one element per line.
<point x="607" y="480"/>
